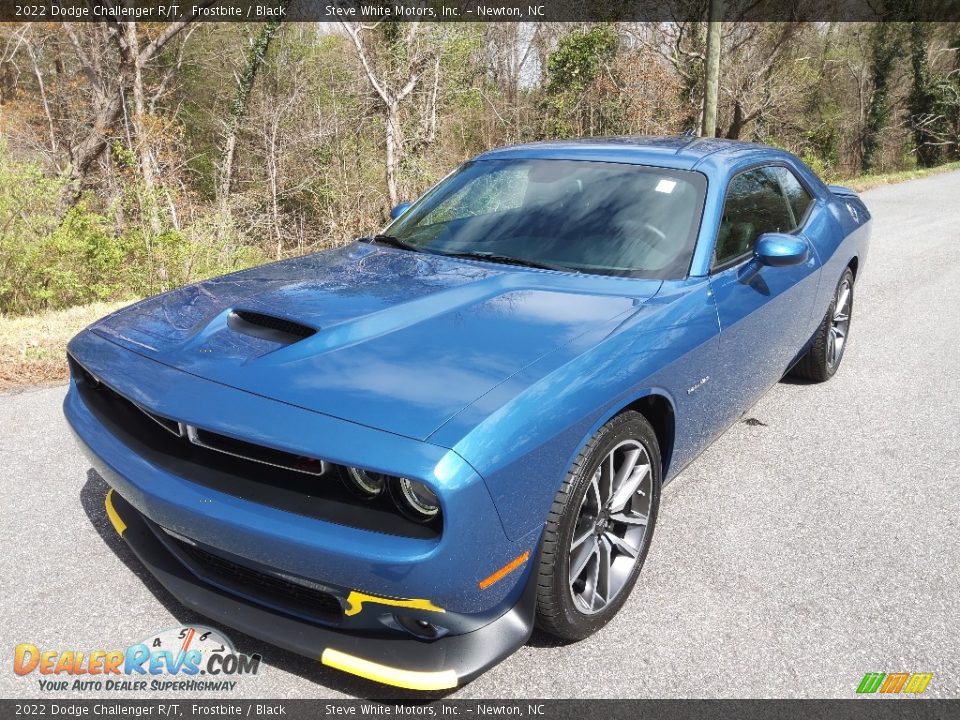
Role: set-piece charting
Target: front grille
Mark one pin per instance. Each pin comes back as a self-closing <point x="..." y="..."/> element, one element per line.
<point x="268" y="327"/>
<point x="256" y="453"/>
<point x="259" y="474"/>
<point x="171" y="426"/>
<point x="215" y="441"/>
<point x="261" y="587"/>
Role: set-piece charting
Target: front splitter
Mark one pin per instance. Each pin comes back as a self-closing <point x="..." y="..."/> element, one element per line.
<point x="391" y="658"/>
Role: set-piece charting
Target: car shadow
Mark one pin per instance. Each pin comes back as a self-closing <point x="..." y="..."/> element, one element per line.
<point x="540" y="639"/>
<point x="794" y="380"/>
<point x="91" y="499"/>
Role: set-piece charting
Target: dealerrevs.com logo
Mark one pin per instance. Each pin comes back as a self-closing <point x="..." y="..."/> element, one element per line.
<point x="894" y="683"/>
<point x="184" y="659"/>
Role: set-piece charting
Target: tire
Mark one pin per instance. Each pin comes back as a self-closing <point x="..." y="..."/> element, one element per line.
<point x="572" y="610"/>
<point x="822" y="359"/>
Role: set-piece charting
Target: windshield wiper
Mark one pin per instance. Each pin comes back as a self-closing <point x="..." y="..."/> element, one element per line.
<point x="508" y="260"/>
<point x="390" y="241"/>
<point x="393" y="241"/>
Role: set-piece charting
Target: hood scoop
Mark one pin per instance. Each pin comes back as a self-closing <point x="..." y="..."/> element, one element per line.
<point x="268" y="327"/>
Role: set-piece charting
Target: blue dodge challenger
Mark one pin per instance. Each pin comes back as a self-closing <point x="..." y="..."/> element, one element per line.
<point x="399" y="456"/>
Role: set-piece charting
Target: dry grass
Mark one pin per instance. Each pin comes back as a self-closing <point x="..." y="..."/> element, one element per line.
<point x="865" y="182"/>
<point x="32" y="347"/>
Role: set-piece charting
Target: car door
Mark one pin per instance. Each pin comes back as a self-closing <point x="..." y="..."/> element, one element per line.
<point x="764" y="312"/>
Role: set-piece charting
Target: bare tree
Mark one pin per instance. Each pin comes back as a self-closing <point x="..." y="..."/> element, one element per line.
<point x="683" y="46"/>
<point x="33" y="52"/>
<point x="110" y="81"/>
<point x="393" y="91"/>
<point x="756" y="79"/>
<point x="255" y="59"/>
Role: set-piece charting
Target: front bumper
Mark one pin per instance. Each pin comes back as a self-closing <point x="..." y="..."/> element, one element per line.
<point x="375" y="576"/>
<point x="389" y="658"/>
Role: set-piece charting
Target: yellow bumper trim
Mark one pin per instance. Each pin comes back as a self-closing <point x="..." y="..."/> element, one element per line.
<point x="118" y="524"/>
<point x="355" y="601"/>
<point x="409" y="679"/>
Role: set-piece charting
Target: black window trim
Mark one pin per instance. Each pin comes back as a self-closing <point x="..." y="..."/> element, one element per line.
<point x="814" y="198"/>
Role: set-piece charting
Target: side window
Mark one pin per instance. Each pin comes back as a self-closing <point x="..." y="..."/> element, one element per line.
<point x="754" y="205"/>
<point x="797" y="196"/>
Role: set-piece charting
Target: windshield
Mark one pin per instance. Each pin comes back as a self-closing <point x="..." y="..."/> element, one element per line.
<point x="578" y="215"/>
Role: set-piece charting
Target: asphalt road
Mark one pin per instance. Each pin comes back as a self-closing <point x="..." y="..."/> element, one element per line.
<point x="795" y="555"/>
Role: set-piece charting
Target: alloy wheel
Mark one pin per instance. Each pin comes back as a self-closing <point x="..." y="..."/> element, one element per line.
<point x="611" y="528"/>
<point x="840" y="323"/>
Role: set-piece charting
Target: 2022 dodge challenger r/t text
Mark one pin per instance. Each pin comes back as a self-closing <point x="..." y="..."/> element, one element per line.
<point x="399" y="455"/>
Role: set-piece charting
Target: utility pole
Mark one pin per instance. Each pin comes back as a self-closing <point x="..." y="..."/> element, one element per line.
<point x="711" y="78"/>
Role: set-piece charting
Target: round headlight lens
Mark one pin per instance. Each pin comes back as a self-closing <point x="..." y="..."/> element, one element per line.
<point x="368" y="484"/>
<point x="417" y="500"/>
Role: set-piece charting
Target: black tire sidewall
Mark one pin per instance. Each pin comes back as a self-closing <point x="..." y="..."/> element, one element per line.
<point x="631" y="425"/>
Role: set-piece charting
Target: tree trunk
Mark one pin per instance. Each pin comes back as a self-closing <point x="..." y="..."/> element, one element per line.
<point x="736" y="125"/>
<point x="921" y="100"/>
<point x="273" y="171"/>
<point x="83" y="155"/>
<point x="238" y="110"/>
<point x="148" y="201"/>
<point x="391" y="100"/>
<point x="712" y="69"/>
<point x="392" y="121"/>
<point x="883" y="49"/>
<point x="41" y="86"/>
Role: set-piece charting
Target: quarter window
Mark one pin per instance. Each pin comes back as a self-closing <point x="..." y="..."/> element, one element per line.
<point x="755" y="204"/>
<point x="797" y="196"/>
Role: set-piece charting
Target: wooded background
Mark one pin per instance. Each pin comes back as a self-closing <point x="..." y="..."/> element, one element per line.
<point x="137" y="157"/>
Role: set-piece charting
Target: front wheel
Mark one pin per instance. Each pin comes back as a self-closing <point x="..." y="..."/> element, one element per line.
<point x="823" y="358"/>
<point x="599" y="529"/>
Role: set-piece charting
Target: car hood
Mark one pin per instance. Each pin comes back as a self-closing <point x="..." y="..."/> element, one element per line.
<point x="401" y="341"/>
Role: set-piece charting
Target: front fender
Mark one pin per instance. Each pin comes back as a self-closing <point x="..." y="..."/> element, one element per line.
<point x="537" y="422"/>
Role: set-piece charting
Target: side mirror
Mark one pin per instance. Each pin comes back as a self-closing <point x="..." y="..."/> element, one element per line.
<point x="399" y="210"/>
<point x="781" y="250"/>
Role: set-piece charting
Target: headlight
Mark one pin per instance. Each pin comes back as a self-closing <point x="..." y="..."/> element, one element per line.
<point x="415" y="500"/>
<point x="368" y="484"/>
<point x="412" y="498"/>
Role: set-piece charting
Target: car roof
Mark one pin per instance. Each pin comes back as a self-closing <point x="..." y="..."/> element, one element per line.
<point x="680" y="152"/>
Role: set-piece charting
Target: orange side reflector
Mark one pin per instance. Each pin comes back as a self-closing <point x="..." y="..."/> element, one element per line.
<point x="505" y="570"/>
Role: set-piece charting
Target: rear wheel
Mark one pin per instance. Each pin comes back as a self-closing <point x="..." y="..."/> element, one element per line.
<point x="599" y="529"/>
<point x="823" y="358"/>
